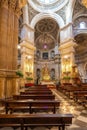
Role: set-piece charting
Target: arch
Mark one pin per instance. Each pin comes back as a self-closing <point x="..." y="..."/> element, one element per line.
<point x="40" y="16"/>
<point x="78" y="16"/>
<point x="69" y="11"/>
<point x="54" y="6"/>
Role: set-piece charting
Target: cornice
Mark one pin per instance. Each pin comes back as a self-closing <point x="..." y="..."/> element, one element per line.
<point x="68" y="43"/>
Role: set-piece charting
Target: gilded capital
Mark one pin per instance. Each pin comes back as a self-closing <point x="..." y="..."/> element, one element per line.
<point x="3" y="2"/>
<point x="14" y="5"/>
<point x="84" y="2"/>
<point x="22" y="3"/>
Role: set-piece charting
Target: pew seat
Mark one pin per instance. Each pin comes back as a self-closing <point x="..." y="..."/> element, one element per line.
<point x="31" y="105"/>
<point x="34" y="97"/>
<point x="35" y="120"/>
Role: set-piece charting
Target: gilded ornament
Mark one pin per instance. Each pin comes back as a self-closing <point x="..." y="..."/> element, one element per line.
<point x="84" y="2"/>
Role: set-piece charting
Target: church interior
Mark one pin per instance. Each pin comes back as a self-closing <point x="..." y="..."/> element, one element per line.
<point x="43" y="70"/>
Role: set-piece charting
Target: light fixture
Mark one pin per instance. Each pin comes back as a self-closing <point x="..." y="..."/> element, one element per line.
<point x="84" y="2"/>
<point x="45" y="46"/>
<point x="66" y="57"/>
<point x="19" y="47"/>
<point x="29" y="57"/>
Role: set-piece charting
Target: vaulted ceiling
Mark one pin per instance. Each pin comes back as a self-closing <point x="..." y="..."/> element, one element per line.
<point x="46" y="34"/>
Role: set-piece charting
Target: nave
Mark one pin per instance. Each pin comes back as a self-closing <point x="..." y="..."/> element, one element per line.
<point x="66" y="106"/>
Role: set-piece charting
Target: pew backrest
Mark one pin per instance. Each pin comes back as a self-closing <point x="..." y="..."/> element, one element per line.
<point x="34" y="97"/>
<point x="34" y="120"/>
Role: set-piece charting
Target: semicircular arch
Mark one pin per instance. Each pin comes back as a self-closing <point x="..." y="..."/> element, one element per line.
<point x="40" y="16"/>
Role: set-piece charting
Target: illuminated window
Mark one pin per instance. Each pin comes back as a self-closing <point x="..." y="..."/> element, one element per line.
<point x="82" y="25"/>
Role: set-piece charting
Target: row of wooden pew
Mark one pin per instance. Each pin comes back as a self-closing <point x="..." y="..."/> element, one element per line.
<point x="34" y="99"/>
<point x="77" y="93"/>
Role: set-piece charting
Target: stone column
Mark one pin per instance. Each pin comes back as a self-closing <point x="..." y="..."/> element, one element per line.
<point x="27" y="59"/>
<point x="67" y="51"/>
<point x="9" y="15"/>
<point x="25" y="15"/>
<point x="27" y="46"/>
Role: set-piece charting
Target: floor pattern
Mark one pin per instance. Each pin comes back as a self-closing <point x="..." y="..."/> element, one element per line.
<point x="66" y="106"/>
<point x="79" y="112"/>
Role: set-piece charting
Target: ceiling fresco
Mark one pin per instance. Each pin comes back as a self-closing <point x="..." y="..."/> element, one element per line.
<point x="46" y="33"/>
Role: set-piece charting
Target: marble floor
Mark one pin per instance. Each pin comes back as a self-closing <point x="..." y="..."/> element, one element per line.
<point x="66" y="106"/>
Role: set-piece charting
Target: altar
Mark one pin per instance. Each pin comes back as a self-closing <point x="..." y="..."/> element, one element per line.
<point x="45" y="74"/>
<point x="50" y="84"/>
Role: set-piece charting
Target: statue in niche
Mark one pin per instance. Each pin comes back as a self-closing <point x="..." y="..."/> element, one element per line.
<point x="45" y="73"/>
<point x="52" y="74"/>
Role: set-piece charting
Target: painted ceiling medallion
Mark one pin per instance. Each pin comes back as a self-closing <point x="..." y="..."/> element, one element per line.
<point x="45" y="41"/>
<point x="46" y="25"/>
<point x="46" y="34"/>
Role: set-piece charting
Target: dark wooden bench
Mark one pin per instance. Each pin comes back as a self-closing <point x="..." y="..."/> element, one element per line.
<point x="34" y="92"/>
<point x="37" y="89"/>
<point x="36" y="120"/>
<point x="79" y="95"/>
<point x="69" y="91"/>
<point x="34" y="97"/>
<point x="83" y="100"/>
<point x="31" y="105"/>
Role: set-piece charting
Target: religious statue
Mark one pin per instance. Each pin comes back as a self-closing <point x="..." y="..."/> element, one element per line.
<point x="45" y="73"/>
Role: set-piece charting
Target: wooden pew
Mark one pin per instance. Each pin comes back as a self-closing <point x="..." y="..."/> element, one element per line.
<point x="31" y="105"/>
<point x="83" y="101"/>
<point x="34" y="97"/>
<point x="36" y="92"/>
<point x="69" y="91"/>
<point x="79" y="95"/>
<point x="37" y="89"/>
<point x="85" y="96"/>
<point x="40" y="87"/>
<point x="35" y="120"/>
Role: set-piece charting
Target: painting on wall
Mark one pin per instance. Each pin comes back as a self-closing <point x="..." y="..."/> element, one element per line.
<point x="45" y="55"/>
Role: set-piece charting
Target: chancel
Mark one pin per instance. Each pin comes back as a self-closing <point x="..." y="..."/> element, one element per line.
<point x="43" y="64"/>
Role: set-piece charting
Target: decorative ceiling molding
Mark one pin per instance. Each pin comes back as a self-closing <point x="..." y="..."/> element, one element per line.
<point x="41" y="16"/>
<point x="31" y="12"/>
<point x="62" y="13"/>
<point x="46" y="25"/>
<point x="78" y="9"/>
<point x="84" y="2"/>
<point x="55" y="6"/>
<point x="46" y="33"/>
<point x="45" y="40"/>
